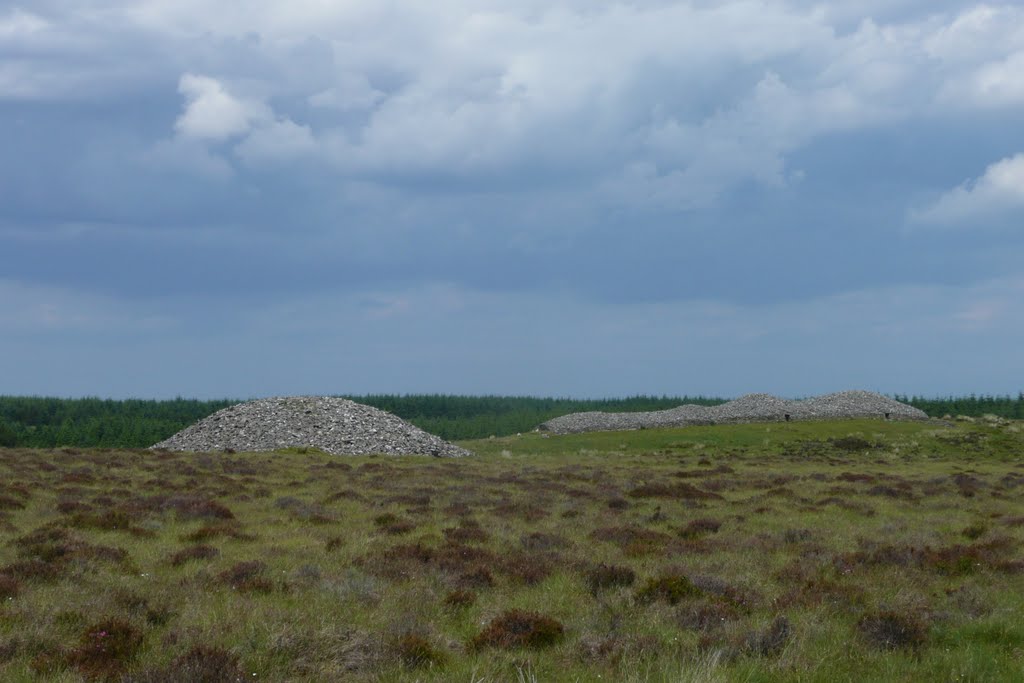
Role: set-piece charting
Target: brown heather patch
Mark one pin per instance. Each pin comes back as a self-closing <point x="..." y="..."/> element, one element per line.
<point x="974" y="531"/>
<point x="11" y="503"/>
<point x="110" y="520"/>
<point x="201" y="664"/>
<point x="856" y="477"/>
<point x="106" y="648"/>
<point x="770" y="641"/>
<point x="603" y="576"/>
<point x="9" y="649"/>
<point x="139" y="605"/>
<point x="680" y="490"/>
<point x="417" y="500"/>
<point x="50" y="552"/>
<point x="415" y="651"/>
<point x="459" y="599"/>
<point x="967" y="485"/>
<point x="518" y="628"/>
<point x="527" y="568"/>
<point x="618" y="503"/>
<point x="196" y="507"/>
<point x="700" y="527"/>
<point x="851" y="443"/>
<point x="889" y="630"/>
<point x="527" y="512"/>
<point x="538" y="541"/>
<point x="9" y="586"/>
<point x="627" y="536"/>
<point x="247" y="577"/>
<point x="67" y="507"/>
<point x="694" y="474"/>
<point x="468" y="531"/>
<point x="193" y="553"/>
<point x="706" y="615"/>
<point x="953" y="560"/>
<point x="209" y="532"/>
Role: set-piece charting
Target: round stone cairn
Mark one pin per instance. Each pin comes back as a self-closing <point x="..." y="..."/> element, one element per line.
<point x="748" y="408"/>
<point x="334" y="425"/>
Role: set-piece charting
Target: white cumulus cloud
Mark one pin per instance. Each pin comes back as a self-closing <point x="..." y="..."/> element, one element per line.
<point x="213" y="113"/>
<point x="991" y="198"/>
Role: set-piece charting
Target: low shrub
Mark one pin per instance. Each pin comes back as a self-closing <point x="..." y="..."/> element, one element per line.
<point x="679" y="490"/>
<point x="106" y="648"/>
<point x="460" y="598"/>
<point x="700" y="527"/>
<point x="770" y="641"/>
<point x="247" y="577"/>
<point x="9" y="587"/>
<point x="196" y="552"/>
<point x="518" y="628"/>
<point x="415" y="651"/>
<point x="602" y="576"/>
<point x="890" y="630"/>
<point x="201" y="664"/>
<point x="670" y="588"/>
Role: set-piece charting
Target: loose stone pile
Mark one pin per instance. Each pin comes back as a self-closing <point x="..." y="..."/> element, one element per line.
<point x="749" y="408"/>
<point x="334" y="425"/>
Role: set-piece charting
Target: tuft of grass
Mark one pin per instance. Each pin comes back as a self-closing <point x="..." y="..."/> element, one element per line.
<point x="670" y="588"/>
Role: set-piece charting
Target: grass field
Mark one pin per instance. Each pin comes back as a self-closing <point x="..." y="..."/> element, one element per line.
<point x="844" y="551"/>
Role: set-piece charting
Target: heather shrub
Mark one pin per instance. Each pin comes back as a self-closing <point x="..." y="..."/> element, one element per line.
<point x="247" y="577"/>
<point x="196" y="552"/>
<point x="9" y="586"/>
<point x="602" y="576"/>
<point x="415" y="651"/>
<point x="460" y="598"/>
<point x="518" y="628"/>
<point x="890" y="630"/>
<point x="201" y="664"/>
<point x="700" y="527"/>
<point x="770" y="641"/>
<point x="106" y="648"/>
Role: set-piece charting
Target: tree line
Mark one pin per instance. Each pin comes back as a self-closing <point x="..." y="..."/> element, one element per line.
<point x="41" y="422"/>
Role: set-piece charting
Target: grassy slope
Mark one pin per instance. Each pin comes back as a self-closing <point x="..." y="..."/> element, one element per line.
<point x="908" y="530"/>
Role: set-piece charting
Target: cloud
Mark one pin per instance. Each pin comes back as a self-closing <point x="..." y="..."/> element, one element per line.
<point x="27" y="308"/>
<point x="18" y="23"/>
<point x="351" y="91"/>
<point x="212" y="113"/>
<point x="280" y="140"/>
<point x="990" y="199"/>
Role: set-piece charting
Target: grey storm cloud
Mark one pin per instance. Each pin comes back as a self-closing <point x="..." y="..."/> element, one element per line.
<point x="190" y="164"/>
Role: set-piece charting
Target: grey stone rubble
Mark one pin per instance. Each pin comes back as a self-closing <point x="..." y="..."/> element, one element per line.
<point x="334" y="425"/>
<point x="748" y="408"/>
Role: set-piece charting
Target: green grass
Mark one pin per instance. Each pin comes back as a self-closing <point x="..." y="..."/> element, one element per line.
<point x="819" y="551"/>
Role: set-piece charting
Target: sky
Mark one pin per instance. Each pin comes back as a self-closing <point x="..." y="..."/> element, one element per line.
<point x="559" y="198"/>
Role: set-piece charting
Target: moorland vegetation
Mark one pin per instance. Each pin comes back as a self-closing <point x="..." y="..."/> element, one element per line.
<point x="817" y="551"/>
